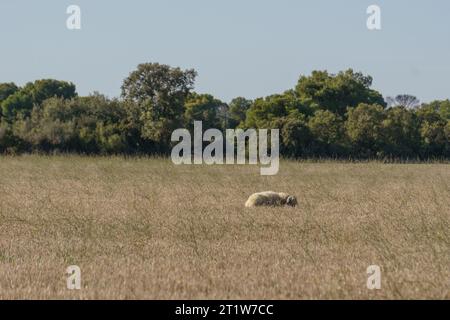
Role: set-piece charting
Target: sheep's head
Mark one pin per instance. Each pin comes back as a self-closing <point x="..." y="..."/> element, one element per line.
<point x="291" y="201"/>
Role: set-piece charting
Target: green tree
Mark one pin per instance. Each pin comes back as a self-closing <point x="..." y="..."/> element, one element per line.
<point x="335" y="93"/>
<point x="401" y="137"/>
<point x="9" y="142"/>
<point x="160" y="91"/>
<point x="441" y="107"/>
<point x="205" y="108"/>
<point x="447" y="139"/>
<point x="364" y="128"/>
<point x="327" y="130"/>
<point x="34" y="93"/>
<point x="91" y="124"/>
<point x="41" y="90"/>
<point x="264" y="111"/>
<point x="433" y="132"/>
<point x="237" y="111"/>
<point x="325" y="115"/>
<point x="19" y="103"/>
<point x="7" y="89"/>
<point x="295" y="134"/>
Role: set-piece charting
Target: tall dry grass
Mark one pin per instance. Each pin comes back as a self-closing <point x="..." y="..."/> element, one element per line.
<point x="146" y="229"/>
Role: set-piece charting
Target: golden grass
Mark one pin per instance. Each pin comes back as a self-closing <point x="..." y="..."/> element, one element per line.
<point x="146" y="229"/>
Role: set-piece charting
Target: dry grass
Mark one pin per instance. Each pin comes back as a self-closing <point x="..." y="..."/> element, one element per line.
<point x="146" y="229"/>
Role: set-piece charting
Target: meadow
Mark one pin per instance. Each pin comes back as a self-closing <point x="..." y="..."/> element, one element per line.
<point x="143" y="228"/>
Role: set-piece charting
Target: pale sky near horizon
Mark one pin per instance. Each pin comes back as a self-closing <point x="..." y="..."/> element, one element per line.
<point x="249" y="48"/>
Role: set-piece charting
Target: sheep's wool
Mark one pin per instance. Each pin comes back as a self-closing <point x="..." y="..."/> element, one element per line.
<point x="271" y="199"/>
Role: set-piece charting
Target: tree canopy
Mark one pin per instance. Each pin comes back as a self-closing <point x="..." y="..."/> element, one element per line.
<point x="161" y="92"/>
<point x="325" y="115"/>
<point x="336" y="93"/>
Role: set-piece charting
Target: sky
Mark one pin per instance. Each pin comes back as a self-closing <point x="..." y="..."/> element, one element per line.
<point x="250" y="48"/>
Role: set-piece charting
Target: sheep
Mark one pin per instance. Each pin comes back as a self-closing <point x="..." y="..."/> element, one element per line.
<point x="271" y="199"/>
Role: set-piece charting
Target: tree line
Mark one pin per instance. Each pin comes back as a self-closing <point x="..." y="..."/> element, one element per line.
<point x="325" y="115"/>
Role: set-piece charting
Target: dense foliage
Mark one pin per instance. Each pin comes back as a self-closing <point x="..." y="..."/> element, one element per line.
<point x="325" y="115"/>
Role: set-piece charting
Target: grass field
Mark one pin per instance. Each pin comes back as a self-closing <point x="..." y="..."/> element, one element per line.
<point x="146" y="229"/>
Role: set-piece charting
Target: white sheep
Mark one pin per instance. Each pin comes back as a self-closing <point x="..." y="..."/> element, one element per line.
<point x="271" y="199"/>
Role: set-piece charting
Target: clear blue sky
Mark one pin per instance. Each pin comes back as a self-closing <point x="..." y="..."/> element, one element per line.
<point x="248" y="48"/>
